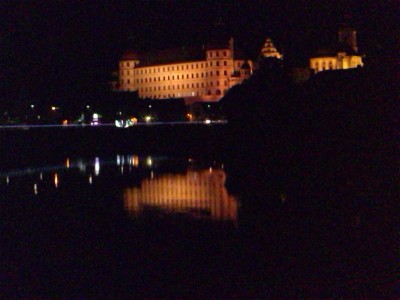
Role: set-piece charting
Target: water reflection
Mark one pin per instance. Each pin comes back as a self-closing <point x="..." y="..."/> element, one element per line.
<point x="145" y="184"/>
<point x="201" y="194"/>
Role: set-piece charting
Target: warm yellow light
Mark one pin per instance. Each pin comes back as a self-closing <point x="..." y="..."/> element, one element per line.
<point x="56" y="180"/>
<point x="135" y="160"/>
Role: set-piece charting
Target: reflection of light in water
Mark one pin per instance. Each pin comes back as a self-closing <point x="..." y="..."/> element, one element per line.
<point x="135" y="160"/>
<point x="96" y="166"/>
<point x="90" y="179"/>
<point x="149" y="161"/>
<point x="283" y="197"/>
<point x="8" y="180"/>
<point x="197" y="193"/>
<point x="152" y="175"/>
<point x="122" y="169"/>
<point x="67" y="163"/>
<point x="35" y="191"/>
<point x="81" y="166"/>
<point x="55" y="179"/>
<point x="210" y="170"/>
<point x="118" y="160"/>
<point x="41" y="176"/>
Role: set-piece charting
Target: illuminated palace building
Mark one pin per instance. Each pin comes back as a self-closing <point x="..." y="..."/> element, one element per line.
<point x="199" y="74"/>
<point x="206" y="73"/>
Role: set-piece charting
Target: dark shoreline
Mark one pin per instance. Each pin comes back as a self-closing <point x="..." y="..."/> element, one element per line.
<point x="173" y="140"/>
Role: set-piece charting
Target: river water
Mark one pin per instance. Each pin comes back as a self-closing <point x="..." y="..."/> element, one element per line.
<point x="161" y="226"/>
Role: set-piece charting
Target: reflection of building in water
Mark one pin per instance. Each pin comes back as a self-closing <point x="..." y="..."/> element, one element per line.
<point x="197" y="193"/>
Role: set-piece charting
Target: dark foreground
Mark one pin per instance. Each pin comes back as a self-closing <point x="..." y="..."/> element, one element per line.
<point x="67" y="230"/>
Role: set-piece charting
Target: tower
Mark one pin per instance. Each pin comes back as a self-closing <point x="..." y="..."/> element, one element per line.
<point x="348" y="35"/>
<point x="269" y="50"/>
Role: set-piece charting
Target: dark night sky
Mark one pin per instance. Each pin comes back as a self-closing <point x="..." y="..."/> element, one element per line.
<point x="50" y="49"/>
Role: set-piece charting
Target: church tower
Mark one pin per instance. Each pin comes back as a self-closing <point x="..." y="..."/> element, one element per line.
<point x="348" y="35"/>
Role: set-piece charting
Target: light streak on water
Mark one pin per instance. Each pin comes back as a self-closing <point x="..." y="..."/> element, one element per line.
<point x="27" y="127"/>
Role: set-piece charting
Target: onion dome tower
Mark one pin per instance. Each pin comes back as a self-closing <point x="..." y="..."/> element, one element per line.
<point x="269" y="50"/>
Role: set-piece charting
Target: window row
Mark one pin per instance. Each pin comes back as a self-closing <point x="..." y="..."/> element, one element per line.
<point x="208" y="92"/>
<point x="179" y="77"/>
<point x="324" y="65"/>
<point x="217" y="53"/>
<point x="176" y="68"/>
<point x="179" y="86"/>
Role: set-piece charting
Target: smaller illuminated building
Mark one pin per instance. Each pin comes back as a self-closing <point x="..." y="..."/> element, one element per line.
<point x="344" y="56"/>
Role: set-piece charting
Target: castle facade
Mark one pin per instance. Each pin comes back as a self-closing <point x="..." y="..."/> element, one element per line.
<point x="196" y="74"/>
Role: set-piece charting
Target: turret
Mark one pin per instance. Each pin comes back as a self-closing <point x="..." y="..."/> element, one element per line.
<point x="269" y="50"/>
<point x="348" y="35"/>
<point x="127" y="63"/>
